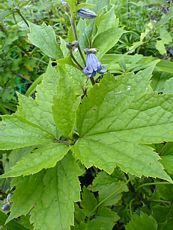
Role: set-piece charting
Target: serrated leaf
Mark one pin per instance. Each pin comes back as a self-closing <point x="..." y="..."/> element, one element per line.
<point x="88" y="202"/>
<point x="117" y="118"/>
<point x="144" y="222"/>
<point x="109" y="189"/>
<point x="67" y="99"/>
<point x="49" y="196"/>
<point x="44" y="38"/>
<point x="15" y="156"/>
<point x="16" y="132"/>
<point x="39" y="111"/>
<point x="105" y="219"/>
<point x="42" y="158"/>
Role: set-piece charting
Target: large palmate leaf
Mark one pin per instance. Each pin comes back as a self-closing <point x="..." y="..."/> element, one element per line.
<point x="117" y="119"/>
<point x="44" y="38"/>
<point x="49" y="196"/>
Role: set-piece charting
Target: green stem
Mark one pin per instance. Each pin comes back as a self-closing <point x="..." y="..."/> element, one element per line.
<point x="154" y="183"/>
<point x="92" y="80"/>
<point x="73" y="25"/>
<point x="75" y="61"/>
<point x="162" y="201"/>
<point x="18" y="11"/>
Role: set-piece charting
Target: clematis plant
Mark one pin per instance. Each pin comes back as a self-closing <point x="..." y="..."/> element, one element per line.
<point x="71" y="130"/>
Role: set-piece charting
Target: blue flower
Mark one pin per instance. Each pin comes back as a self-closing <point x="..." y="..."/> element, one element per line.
<point x="93" y="65"/>
<point x="86" y="13"/>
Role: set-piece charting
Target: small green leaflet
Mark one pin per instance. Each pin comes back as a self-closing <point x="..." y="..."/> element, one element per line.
<point x="144" y="221"/>
<point x="118" y="119"/>
<point x="44" y="38"/>
<point x="109" y="189"/>
<point x="105" y="219"/>
<point x="49" y="196"/>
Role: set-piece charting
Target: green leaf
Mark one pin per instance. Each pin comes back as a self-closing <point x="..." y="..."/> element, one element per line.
<point x="44" y="38"/>
<point x="164" y="192"/>
<point x="88" y="202"/>
<point x="161" y="47"/>
<point x="11" y="225"/>
<point x="105" y="219"/>
<point x="42" y="158"/>
<point x="109" y="188"/>
<point x="135" y="62"/>
<point x="49" y="196"/>
<point x="67" y="99"/>
<point x="99" y="4"/>
<point x="167" y="162"/>
<point x="106" y="40"/>
<point x="106" y="21"/>
<point x="168" y="86"/>
<point x="117" y="119"/>
<point x="165" y="36"/>
<point x="16" y="132"/>
<point x="39" y="111"/>
<point x="164" y="216"/>
<point x="144" y="222"/>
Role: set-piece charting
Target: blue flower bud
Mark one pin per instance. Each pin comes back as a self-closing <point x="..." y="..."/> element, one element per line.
<point x="93" y="65"/>
<point x="86" y="13"/>
<point x="6" y="207"/>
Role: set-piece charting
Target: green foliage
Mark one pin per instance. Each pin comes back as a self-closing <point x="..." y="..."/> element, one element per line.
<point x="44" y="38"/>
<point x="144" y="221"/>
<point x="86" y="153"/>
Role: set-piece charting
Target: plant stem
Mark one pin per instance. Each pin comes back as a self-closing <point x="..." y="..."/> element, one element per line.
<point x="76" y="62"/>
<point x="153" y="183"/>
<point x="92" y="80"/>
<point x="73" y="25"/>
<point x="18" y="11"/>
